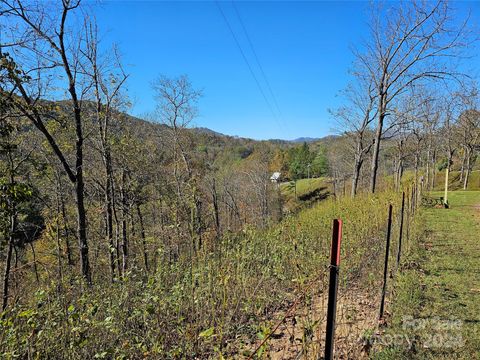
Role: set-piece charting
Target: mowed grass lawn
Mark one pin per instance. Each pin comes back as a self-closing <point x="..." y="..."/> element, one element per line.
<point x="307" y="190"/>
<point x="436" y="301"/>
<point x="304" y="186"/>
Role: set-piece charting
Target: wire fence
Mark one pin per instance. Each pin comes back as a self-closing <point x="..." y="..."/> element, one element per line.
<point x="298" y="329"/>
<point x="362" y="302"/>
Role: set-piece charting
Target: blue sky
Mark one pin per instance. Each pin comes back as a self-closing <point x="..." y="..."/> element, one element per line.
<point x="303" y="48"/>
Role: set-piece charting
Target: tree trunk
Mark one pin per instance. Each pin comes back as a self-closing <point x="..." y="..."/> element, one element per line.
<point x="356" y="176"/>
<point x="8" y="261"/>
<point x="80" y="190"/>
<point x="117" y="230"/>
<point x="109" y="212"/>
<point x="78" y="180"/>
<point x="59" y="247"/>
<point x="427" y="170"/>
<point x="264" y="203"/>
<point x="216" y="214"/>
<point x="35" y="268"/>
<point x="66" y="230"/>
<point x="82" y="227"/>
<point x="467" y="169"/>
<point x="198" y="220"/>
<point x="335" y="184"/>
<point x="434" y="170"/>
<point x="399" y="172"/>
<point x="124" y="225"/>
<point x="395" y="174"/>
<point x="376" y="146"/>
<point x="144" y="240"/>
<point x="416" y="174"/>
<point x="464" y="161"/>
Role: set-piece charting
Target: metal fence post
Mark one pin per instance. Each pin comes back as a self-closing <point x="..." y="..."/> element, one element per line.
<point x="385" y="270"/>
<point x="412" y="200"/>
<point x="401" y="230"/>
<point x="333" y="287"/>
<point x="408" y="215"/>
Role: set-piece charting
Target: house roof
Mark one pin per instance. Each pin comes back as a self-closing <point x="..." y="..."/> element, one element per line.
<point x="275" y="176"/>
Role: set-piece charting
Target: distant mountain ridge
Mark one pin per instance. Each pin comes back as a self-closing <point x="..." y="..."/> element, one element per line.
<point x="208" y="131"/>
<point x="306" y="139"/>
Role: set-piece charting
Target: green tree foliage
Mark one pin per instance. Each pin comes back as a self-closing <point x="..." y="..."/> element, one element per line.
<point x="21" y="198"/>
<point x="300" y="161"/>
<point x="17" y="196"/>
<point x="320" y="163"/>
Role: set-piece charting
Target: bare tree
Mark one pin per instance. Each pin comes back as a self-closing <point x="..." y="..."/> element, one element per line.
<point x="355" y="120"/>
<point x="48" y="51"/>
<point x="432" y="127"/>
<point x="469" y="131"/>
<point x="401" y="141"/>
<point x="415" y="43"/>
<point x="177" y="107"/>
<point x="108" y="78"/>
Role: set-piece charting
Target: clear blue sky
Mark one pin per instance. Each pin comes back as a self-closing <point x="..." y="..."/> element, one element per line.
<point x="303" y="47"/>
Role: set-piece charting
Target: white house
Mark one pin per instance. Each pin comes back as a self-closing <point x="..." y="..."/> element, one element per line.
<point x="275" y="177"/>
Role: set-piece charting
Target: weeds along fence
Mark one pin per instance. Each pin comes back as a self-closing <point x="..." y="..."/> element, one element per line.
<point x="317" y="325"/>
<point x="246" y="295"/>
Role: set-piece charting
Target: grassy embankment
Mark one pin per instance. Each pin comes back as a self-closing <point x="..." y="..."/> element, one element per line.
<point x="215" y="301"/>
<point x="440" y="286"/>
<point x="454" y="181"/>
<point x="303" y="192"/>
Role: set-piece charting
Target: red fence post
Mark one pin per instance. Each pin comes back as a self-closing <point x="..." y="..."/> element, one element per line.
<point x="333" y="287"/>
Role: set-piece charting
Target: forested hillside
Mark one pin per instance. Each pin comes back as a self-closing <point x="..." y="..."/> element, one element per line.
<point x="128" y="237"/>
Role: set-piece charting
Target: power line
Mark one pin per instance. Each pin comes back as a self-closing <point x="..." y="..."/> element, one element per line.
<point x="256" y="58"/>
<point x="248" y="63"/>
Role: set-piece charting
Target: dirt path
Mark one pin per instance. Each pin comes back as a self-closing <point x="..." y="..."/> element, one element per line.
<point x="302" y="334"/>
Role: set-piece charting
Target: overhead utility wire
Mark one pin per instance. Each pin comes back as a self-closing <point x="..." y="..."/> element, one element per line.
<point x="256" y="58"/>
<point x="248" y="64"/>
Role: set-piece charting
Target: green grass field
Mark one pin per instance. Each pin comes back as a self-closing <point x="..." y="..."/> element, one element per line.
<point x="436" y="306"/>
<point x="304" y="186"/>
<point x="306" y="190"/>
